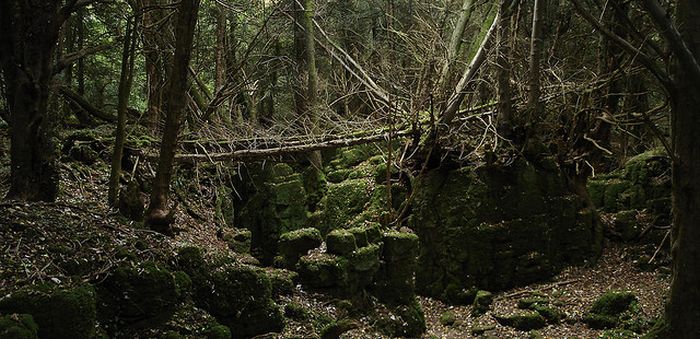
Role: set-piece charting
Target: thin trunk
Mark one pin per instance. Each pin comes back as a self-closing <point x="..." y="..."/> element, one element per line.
<point x="455" y="43"/>
<point x="125" y="81"/>
<point x="535" y="107"/>
<point x="158" y="216"/>
<point x="505" y="104"/>
<point x="80" y="45"/>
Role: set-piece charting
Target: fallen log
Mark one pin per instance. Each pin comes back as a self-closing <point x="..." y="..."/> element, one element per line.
<point x="284" y="149"/>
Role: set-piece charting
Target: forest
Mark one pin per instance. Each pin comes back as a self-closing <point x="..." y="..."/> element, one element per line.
<point x="349" y="169"/>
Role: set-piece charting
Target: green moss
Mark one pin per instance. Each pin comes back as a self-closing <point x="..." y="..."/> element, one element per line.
<point x="296" y="311"/>
<point x="403" y="321"/>
<point x="448" y="318"/>
<point x="18" y="326"/>
<point x="608" y="310"/>
<point x="626" y="225"/>
<point x="613" y="303"/>
<point x="340" y="242"/>
<point x="239" y="240"/>
<point x="337" y="328"/>
<point x="456" y="294"/>
<point x="282" y="170"/>
<point x="282" y="281"/>
<point x="550" y="313"/>
<point x="365" y="259"/>
<point x="240" y="297"/>
<point x="400" y="245"/>
<point x="172" y="335"/>
<point x="59" y="313"/>
<point x="528" y="303"/>
<point x="293" y="245"/>
<point x="479" y="329"/>
<point x="523" y="321"/>
<point x="218" y="332"/>
<point x="342" y="202"/>
<point x="323" y="271"/>
<point x="360" y="234"/>
<point x="482" y="302"/>
<point x="148" y="291"/>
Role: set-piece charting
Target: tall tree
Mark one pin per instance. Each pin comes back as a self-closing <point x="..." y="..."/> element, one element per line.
<point x="27" y="46"/>
<point x="683" y="311"/>
<point x="125" y="81"/>
<point x="159" y="217"/>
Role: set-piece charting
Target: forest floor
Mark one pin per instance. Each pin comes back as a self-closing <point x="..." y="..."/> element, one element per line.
<point x="79" y="237"/>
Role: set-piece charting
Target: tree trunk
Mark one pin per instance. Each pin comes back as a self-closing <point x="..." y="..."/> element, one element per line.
<point x="158" y="216"/>
<point x="683" y="311"/>
<point x="155" y="38"/>
<point x="125" y="81"/>
<point x="535" y="108"/>
<point x="29" y="35"/>
<point x="505" y="105"/>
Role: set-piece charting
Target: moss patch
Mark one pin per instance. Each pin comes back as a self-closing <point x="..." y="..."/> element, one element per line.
<point x="18" y="326"/>
<point x="59" y="313"/>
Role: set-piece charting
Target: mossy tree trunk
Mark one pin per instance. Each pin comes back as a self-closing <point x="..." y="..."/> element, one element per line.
<point x="159" y="217"/>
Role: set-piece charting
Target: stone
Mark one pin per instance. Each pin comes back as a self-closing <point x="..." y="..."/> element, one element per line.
<point x="62" y="313"/>
<point x="18" y="326"/>
<point x="323" y="270"/>
<point x="608" y="309"/>
<point x="523" y="320"/>
<point x="148" y="291"/>
<point x="448" y="318"/>
<point x="340" y="242"/>
<point x="482" y="303"/>
<point x="218" y="332"/>
<point x="295" y="244"/>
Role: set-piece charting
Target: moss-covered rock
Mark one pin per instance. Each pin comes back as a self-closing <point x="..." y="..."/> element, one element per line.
<point x="343" y="202"/>
<point x="296" y="311"/>
<point x="405" y="320"/>
<point x="395" y="281"/>
<point x="60" y="313"/>
<point x="282" y="281"/>
<point x="323" y="271"/>
<point x="240" y="297"/>
<point x="295" y="244"/>
<point x="134" y="294"/>
<point x="608" y="310"/>
<point x="18" y="326"/>
<point x="523" y="320"/>
<point x="218" y="332"/>
<point x="497" y="227"/>
<point x="340" y="242"/>
<point x="365" y="259"/>
<point x="448" y="318"/>
<point x="238" y="240"/>
<point x="482" y="303"/>
<point x="640" y="181"/>
<point x="273" y="202"/>
<point x="626" y="225"/>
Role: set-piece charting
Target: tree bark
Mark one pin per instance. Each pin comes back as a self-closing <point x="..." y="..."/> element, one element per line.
<point x="505" y="104"/>
<point x="158" y="216"/>
<point x="29" y="37"/>
<point x="125" y="81"/>
<point x="535" y="108"/>
<point x="683" y="310"/>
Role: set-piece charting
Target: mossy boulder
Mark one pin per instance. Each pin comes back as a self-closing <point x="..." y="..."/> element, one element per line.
<point x="523" y="320"/>
<point x="626" y="226"/>
<point x="340" y="242"/>
<point x="282" y="281"/>
<point x="482" y="303"/>
<point x="59" y="312"/>
<point x="240" y="297"/>
<point x="218" y="332"/>
<point x="365" y="259"/>
<point x="271" y="201"/>
<point x="405" y="320"/>
<point x="145" y="292"/>
<point x="611" y="309"/>
<point x="496" y="227"/>
<point x="342" y="203"/>
<point x="238" y="240"/>
<point x="323" y="270"/>
<point x="18" y="326"/>
<point x="295" y="244"/>
<point x="395" y="281"/>
<point x="643" y="179"/>
<point x="448" y="318"/>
